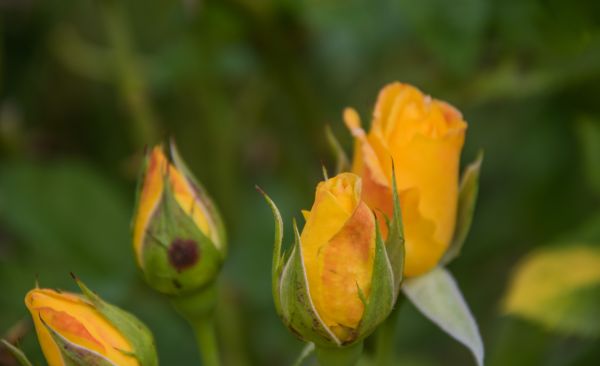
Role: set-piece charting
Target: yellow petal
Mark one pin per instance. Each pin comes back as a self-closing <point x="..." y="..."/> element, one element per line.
<point x="431" y="167"/>
<point x="345" y="265"/>
<point x="337" y="247"/>
<point x="365" y="157"/>
<point x="79" y="323"/>
<point x="150" y="196"/>
<point x="352" y="120"/>
<point x="424" y="137"/>
<point x="305" y="214"/>
<point x="402" y="112"/>
<point x="190" y="203"/>
<point x="422" y="250"/>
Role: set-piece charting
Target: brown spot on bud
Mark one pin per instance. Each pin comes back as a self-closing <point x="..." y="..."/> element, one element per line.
<point x="183" y="253"/>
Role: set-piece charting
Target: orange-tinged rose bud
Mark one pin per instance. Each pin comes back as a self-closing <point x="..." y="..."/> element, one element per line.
<point x="340" y="280"/>
<point x="338" y="243"/>
<point x="72" y="330"/>
<point x="424" y="137"/>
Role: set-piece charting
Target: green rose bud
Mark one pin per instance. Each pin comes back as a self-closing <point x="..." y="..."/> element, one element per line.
<point x="178" y="236"/>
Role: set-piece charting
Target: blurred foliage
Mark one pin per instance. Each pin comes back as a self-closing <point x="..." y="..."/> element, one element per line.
<point x="560" y="288"/>
<point x="246" y="87"/>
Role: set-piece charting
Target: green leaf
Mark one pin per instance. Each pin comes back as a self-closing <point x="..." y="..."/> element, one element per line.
<point x="437" y="296"/>
<point x="70" y="216"/>
<point x="469" y="187"/>
<point x="298" y="311"/>
<point x="383" y="296"/>
<point x="278" y="260"/>
<point x="136" y="332"/>
<point x="559" y="288"/>
<point x="395" y="241"/>
<point x="17" y="353"/>
<point x="342" y="162"/>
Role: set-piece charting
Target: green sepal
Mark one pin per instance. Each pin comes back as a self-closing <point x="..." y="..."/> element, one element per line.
<point x="341" y="159"/>
<point x="437" y="296"/>
<point x="278" y="259"/>
<point x="75" y="355"/>
<point x="171" y="222"/>
<point x="203" y="196"/>
<point x="16" y="353"/>
<point x="297" y="309"/>
<point x="467" y="197"/>
<point x="383" y="294"/>
<point x="136" y="332"/>
<point x="394" y="244"/>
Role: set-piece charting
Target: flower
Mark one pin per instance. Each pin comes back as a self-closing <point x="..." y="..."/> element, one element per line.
<point x="337" y="284"/>
<point x="338" y="246"/>
<point x="178" y="236"/>
<point x="84" y="330"/>
<point x="424" y="138"/>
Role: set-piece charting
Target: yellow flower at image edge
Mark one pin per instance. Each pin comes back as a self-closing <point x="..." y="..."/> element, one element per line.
<point x="424" y="138"/>
<point x="67" y="324"/>
<point x="338" y="243"/>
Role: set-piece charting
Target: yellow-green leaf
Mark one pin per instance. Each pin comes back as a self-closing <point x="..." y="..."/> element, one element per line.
<point x="558" y="288"/>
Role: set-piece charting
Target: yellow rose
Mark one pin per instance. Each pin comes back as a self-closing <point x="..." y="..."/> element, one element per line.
<point x="340" y="280"/>
<point x="424" y="137"/>
<point x="72" y="330"/>
<point x="178" y="237"/>
<point x="338" y="244"/>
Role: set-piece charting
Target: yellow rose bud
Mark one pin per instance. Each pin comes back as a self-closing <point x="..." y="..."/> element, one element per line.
<point x="337" y="284"/>
<point x="338" y="245"/>
<point x="77" y="330"/>
<point x="424" y="137"/>
<point x="178" y="236"/>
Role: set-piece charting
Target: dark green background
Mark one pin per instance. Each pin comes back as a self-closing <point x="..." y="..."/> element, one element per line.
<point x="246" y="88"/>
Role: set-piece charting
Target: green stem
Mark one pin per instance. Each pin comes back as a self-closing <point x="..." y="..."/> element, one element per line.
<point x="385" y="337"/>
<point x="339" y="356"/>
<point x="198" y="309"/>
<point x="207" y="341"/>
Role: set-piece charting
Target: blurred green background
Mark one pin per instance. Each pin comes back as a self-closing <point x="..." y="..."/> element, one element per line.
<point x="246" y="88"/>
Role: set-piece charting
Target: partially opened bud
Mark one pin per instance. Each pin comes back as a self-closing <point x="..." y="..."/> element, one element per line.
<point x="337" y="284"/>
<point x="424" y="137"/>
<point x="77" y="329"/>
<point x="338" y="247"/>
<point x="178" y="235"/>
